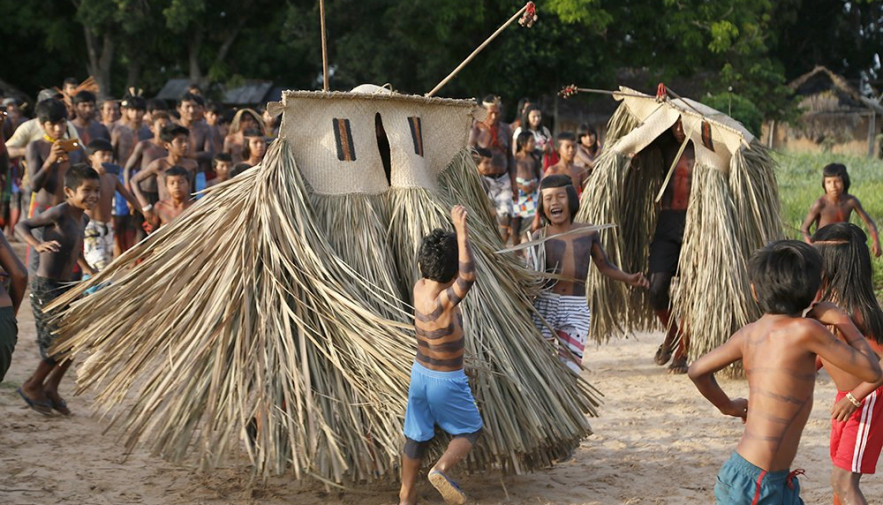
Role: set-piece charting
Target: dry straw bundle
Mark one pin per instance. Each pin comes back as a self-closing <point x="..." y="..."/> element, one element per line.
<point x="276" y="309"/>
<point x="733" y="210"/>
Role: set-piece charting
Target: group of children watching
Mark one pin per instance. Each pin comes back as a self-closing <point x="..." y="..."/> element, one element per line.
<point x="91" y="188"/>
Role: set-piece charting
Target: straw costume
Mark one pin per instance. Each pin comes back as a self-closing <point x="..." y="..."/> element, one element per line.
<point x="733" y="210"/>
<point x="281" y="300"/>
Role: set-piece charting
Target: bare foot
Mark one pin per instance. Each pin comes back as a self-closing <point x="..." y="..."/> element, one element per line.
<point x="678" y="366"/>
<point x="663" y="354"/>
<point x="58" y="403"/>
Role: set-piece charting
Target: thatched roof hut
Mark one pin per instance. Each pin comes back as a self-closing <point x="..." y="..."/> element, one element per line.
<point x="835" y="116"/>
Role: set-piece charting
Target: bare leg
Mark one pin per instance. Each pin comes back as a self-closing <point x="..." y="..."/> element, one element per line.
<point x="846" y="489"/>
<point x="516" y="228"/>
<point x="457" y="450"/>
<point x="33" y="387"/>
<point x="51" y="386"/>
<point x="504" y="228"/>
<point x="671" y="331"/>
<point x="408" y="492"/>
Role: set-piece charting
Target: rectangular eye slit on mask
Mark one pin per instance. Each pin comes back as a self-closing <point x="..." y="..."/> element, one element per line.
<point x="416" y="134"/>
<point x="343" y="137"/>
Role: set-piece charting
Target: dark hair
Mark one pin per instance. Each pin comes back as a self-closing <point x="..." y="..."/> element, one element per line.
<point x="559" y="181"/>
<point x="134" y="102"/>
<point x="190" y="97"/>
<point x="52" y="110"/>
<point x="171" y="131"/>
<point x="786" y="276"/>
<point x="216" y="108"/>
<point x="225" y="157"/>
<point x="836" y="170"/>
<point x="522" y="139"/>
<point x="157" y="104"/>
<point x="239" y="168"/>
<point x="83" y="97"/>
<point x="525" y="124"/>
<point x="482" y="152"/>
<point x="77" y="174"/>
<point x="251" y="132"/>
<point x="437" y="257"/>
<point x="98" y="145"/>
<point x="566" y="136"/>
<point x="848" y="275"/>
<point x="159" y="114"/>
<point x="585" y="129"/>
<point x="71" y="80"/>
<point x="177" y="171"/>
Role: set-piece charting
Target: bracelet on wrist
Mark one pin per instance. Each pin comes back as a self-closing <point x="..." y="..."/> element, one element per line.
<point x="147" y="208"/>
<point x="853" y="400"/>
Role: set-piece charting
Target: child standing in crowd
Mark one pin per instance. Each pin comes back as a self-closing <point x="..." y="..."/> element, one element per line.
<point x="254" y="148"/>
<point x="109" y="112"/>
<point x="99" y="242"/>
<point x="176" y="139"/>
<point x="588" y="148"/>
<point x="61" y="248"/>
<point x="566" y="166"/>
<point x="234" y="143"/>
<point x="778" y="353"/>
<point x="527" y="175"/>
<point x="857" y="413"/>
<point x="532" y="121"/>
<point x="222" y="165"/>
<point x="836" y="205"/>
<point x="439" y="391"/>
<point x="177" y="183"/>
<point x="130" y="129"/>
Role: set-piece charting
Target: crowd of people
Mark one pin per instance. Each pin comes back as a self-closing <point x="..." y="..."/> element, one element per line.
<point x="81" y="190"/>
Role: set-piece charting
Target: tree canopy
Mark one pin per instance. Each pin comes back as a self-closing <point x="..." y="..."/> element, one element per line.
<point x="746" y="49"/>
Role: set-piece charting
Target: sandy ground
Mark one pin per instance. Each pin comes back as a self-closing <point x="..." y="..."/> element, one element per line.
<point x="657" y="441"/>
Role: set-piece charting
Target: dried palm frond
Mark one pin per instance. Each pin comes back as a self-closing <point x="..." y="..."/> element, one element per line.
<point x="204" y="332"/>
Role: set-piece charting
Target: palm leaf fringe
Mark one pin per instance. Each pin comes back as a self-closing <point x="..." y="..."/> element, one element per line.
<point x="262" y="321"/>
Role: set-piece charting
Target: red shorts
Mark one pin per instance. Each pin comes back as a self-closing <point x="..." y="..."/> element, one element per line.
<point x="856" y="443"/>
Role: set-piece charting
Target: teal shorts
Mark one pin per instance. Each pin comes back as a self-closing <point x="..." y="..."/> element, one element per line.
<point x="741" y="483"/>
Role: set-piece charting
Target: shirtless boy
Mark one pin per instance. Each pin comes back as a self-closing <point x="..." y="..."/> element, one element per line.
<point x="836" y="205"/>
<point x="176" y="140"/>
<point x="60" y="248"/>
<point x="499" y="176"/>
<point x="87" y="128"/>
<point x="190" y="113"/>
<point x="439" y="392"/>
<point x="130" y="129"/>
<point x="99" y="234"/>
<point x="564" y="305"/>
<point x="566" y="166"/>
<point x="179" y="199"/>
<point x="48" y="159"/>
<point x="778" y="353"/>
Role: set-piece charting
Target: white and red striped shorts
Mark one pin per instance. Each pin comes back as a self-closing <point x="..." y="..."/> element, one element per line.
<point x="569" y="317"/>
<point x="856" y="443"/>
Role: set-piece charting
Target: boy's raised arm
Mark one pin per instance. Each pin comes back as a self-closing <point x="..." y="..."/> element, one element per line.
<point x="702" y="371"/>
<point x="466" y="273"/>
<point x="856" y="356"/>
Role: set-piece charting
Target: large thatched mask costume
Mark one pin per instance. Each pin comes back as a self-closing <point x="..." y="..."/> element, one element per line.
<point x="733" y="210"/>
<point x="281" y="301"/>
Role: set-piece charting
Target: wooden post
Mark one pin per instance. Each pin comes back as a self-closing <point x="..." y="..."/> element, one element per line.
<point x="324" y="47"/>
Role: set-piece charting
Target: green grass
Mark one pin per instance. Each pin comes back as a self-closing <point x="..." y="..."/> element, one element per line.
<point x="800" y="184"/>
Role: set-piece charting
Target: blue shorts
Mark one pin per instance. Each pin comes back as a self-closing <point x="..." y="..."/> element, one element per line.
<point x="740" y="482"/>
<point x="442" y="398"/>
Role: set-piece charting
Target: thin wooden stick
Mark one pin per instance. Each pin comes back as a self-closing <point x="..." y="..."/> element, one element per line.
<point x="324" y="47"/>
<point x="477" y="50"/>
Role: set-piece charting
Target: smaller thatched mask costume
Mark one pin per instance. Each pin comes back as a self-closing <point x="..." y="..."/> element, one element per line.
<point x="734" y="209"/>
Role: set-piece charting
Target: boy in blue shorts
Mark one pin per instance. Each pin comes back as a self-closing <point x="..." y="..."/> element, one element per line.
<point x="439" y="392"/>
<point x="778" y="353"/>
